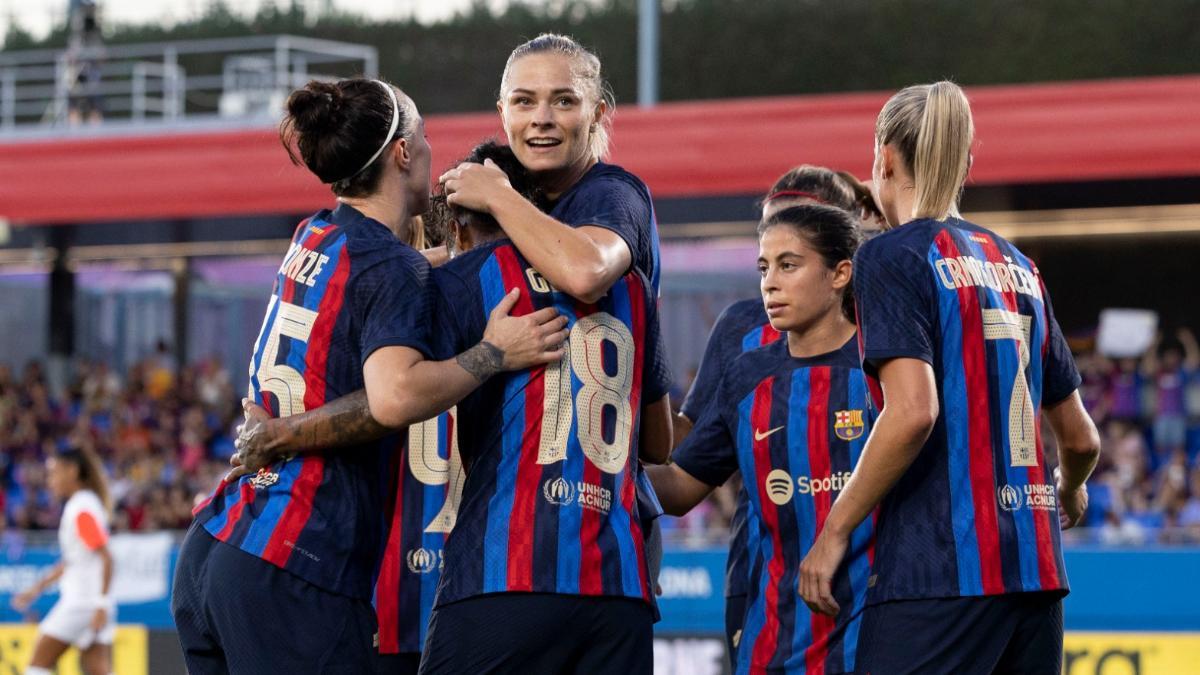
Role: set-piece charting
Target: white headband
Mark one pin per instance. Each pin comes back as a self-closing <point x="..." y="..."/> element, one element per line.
<point x="391" y="130"/>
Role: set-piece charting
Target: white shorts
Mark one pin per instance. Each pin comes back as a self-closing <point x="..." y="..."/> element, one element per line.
<point x="72" y="623"/>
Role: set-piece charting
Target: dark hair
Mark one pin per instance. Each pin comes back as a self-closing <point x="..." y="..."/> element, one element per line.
<point x="333" y="128"/>
<point x="441" y="213"/>
<point x="832" y="232"/>
<point x="91" y="471"/>
<point x="821" y="183"/>
<point x="862" y="196"/>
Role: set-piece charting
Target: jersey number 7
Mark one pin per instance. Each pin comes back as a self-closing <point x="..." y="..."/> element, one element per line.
<point x="1001" y="324"/>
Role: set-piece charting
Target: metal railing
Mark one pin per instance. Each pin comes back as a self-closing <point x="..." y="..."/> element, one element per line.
<point x="167" y="82"/>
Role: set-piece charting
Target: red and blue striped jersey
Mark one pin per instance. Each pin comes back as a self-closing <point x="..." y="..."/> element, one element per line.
<point x="429" y="481"/>
<point x="976" y="513"/>
<point x="743" y="326"/>
<point x="795" y="429"/>
<point x="610" y="197"/>
<point x="345" y="288"/>
<point x="550" y="453"/>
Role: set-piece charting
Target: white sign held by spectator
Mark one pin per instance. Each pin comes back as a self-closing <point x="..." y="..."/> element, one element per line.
<point x="1126" y="332"/>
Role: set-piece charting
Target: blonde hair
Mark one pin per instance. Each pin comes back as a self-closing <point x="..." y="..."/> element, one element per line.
<point x="585" y="70"/>
<point x="416" y="233"/>
<point x="931" y="126"/>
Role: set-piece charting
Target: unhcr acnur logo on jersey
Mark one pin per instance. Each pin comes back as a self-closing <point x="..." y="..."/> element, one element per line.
<point x="558" y="491"/>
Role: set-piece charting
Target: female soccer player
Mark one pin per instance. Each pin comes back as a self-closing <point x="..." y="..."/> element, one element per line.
<point x="963" y="355"/>
<point x="548" y="532"/>
<point x="789" y="416"/>
<point x="85" y="615"/>
<point x="598" y="223"/>
<point x="303" y="537"/>
<point x="556" y="110"/>
<point x="741" y="327"/>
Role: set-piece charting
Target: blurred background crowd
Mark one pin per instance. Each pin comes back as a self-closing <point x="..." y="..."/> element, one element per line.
<point x="165" y="436"/>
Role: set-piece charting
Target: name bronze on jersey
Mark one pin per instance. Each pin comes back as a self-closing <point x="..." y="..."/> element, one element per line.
<point x="966" y="271"/>
<point x="303" y="265"/>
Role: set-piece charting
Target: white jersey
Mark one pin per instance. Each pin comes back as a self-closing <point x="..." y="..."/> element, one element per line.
<point x="83" y="569"/>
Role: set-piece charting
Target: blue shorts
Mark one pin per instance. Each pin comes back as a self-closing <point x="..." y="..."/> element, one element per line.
<point x="540" y="633"/>
<point x="236" y="613"/>
<point x="1014" y="633"/>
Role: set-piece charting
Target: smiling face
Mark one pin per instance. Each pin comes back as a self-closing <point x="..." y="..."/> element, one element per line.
<point x="799" y="289"/>
<point x="548" y="115"/>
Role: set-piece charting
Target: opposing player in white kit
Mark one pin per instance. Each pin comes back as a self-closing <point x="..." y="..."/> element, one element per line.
<point x="85" y="615"/>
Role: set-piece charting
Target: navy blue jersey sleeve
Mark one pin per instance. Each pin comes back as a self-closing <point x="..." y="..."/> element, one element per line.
<point x="712" y="366"/>
<point x="613" y="203"/>
<point x="708" y="453"/>
<point x="454" y="306"/>
<point x="1060" y="377"/>
<point x="392" y="300"/>
<point x="656" y="370"/>
<point x="895" y="303"/>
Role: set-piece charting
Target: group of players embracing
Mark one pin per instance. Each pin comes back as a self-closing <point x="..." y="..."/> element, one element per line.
<point x="454" y="458"/>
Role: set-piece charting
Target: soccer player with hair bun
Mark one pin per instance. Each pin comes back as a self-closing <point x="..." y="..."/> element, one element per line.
<point x="963" y="357"/>
<point x="276" y="572"/>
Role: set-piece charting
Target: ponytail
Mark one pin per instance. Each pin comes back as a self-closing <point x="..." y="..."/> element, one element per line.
<point x="91" y="472"/>
<point x="931" y="126"/>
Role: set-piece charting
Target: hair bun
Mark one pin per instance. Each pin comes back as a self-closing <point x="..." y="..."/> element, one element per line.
<point x="317" y="107"/>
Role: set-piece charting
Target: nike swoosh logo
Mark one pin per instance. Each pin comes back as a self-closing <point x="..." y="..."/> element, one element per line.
<point x="759" y="435"/>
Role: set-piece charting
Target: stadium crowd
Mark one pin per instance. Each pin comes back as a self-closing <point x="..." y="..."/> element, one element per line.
<point x="165" y="436"/>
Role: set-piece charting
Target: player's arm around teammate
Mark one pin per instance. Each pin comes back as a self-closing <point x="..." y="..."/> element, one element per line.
<point x="402" y="388"/>
<point x="555" y="109"/>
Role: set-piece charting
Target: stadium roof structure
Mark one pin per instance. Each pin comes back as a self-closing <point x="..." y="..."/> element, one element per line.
<point x="1040" y="133"/>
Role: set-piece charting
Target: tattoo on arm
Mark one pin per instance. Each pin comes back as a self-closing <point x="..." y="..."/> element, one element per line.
<point x="482" y="361"/>
<point x="345" y="421"/>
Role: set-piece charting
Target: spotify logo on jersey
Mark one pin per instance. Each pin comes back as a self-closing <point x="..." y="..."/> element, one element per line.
<point x="779" y="487"/>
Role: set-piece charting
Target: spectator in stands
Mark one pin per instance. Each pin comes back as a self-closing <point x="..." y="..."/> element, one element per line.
<point x="160" y="452"/>
<point x="84" y="62"/>
<point x="1125" y="391"/>
<point x="1168" y="374"/>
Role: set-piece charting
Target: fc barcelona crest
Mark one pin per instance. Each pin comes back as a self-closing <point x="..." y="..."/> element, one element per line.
<point x="848" y="424"/>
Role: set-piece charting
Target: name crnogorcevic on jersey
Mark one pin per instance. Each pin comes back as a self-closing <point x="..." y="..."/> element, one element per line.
<point x="345" y="288"/>
<point x="549" y="504"/>
<point x="976" y="513"/>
